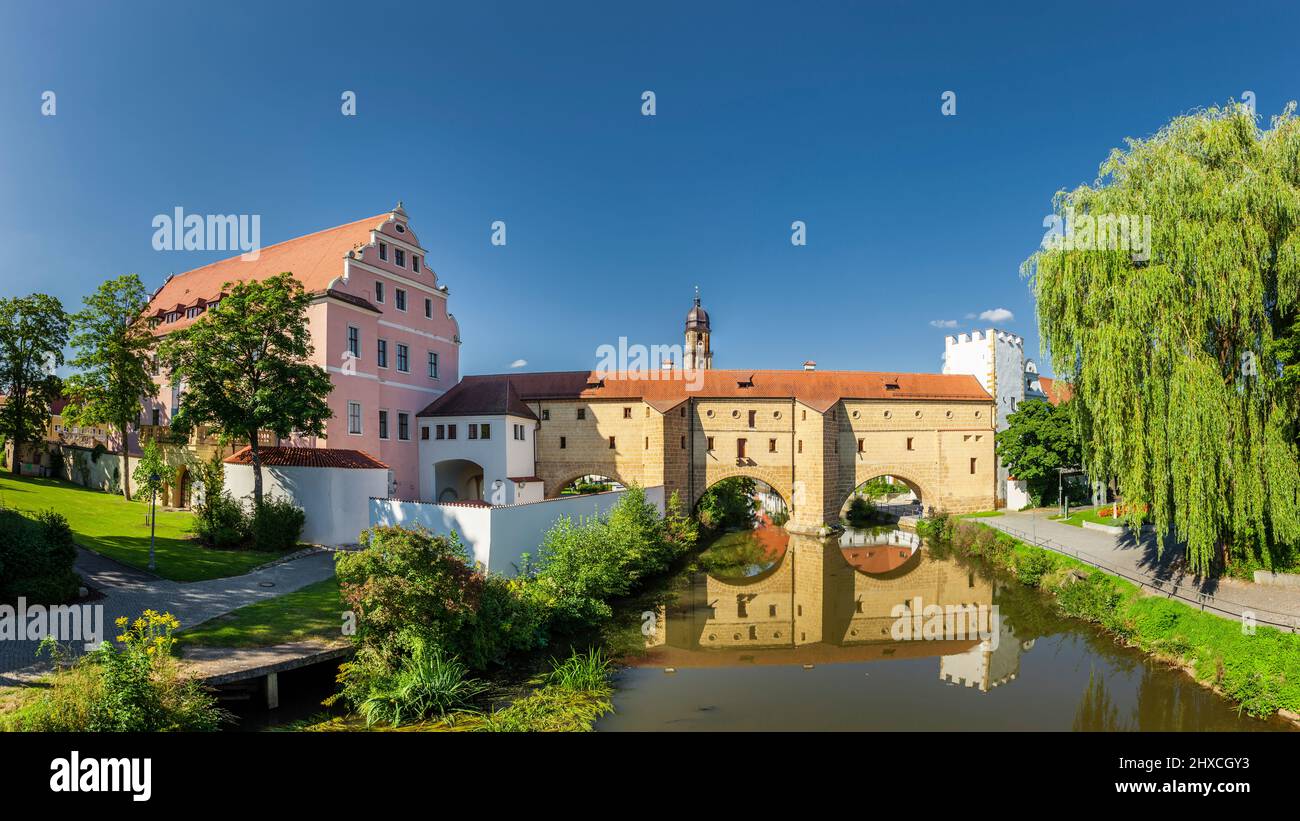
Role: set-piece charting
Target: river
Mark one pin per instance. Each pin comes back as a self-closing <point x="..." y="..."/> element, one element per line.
<point x="870" y="631"/>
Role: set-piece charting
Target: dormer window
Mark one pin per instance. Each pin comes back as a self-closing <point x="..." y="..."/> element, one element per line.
<point x="172" y="316"/>
<point x="891" y="386"/>
<point x="191" y="313"/>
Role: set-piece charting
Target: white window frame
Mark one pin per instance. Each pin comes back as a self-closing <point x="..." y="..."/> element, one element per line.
<point x="357" y="416"/>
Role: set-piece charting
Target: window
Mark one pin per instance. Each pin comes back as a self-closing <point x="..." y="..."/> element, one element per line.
<point x="415" y="263"/>
<point x="379" y="292"/>
<point x="972" y="465"/>
<point x="909" y="443"/>
<point x="563" y="443"/>
<point x="519" y="432"/>
<point x="611" y="443"/>
<point x="403" y="358"/>
<point x="424" y="433"/>
<point x="627" y="413"/>
<point x="383" y="251"/>
<point x="801" y="446"/>
<point x="354" y="340"/>
<point x="771" y="446"/>
<point x="172" y="316"/>
<point x="683" y="443"/>
<point x="433" y="365"/>
<point x="753" y="415"/>
<point x="451" y="431"/>
<point x="740" y="448"/>
<point x="403" y="426"/>
<point x="708" y="443"/>
<point x="354" y="417"/>
<point x="381" y="350"/>
<point x="190" y="313"/>
<point x="399" y="299"/>
<point x="485" y="431"/>
<point x="473" y="431"/>
<point x="546" y="416"/>
<point x="157" y="412"/>
<point x="582" y="413"/>
<point x="212" y="306"/>
<point x="428" y="308"/>
<point x="861" y="444"/>
<point x="647" y="443"/>
<point x="399" y="257"/>
<point x="383" y="424"/>
<point x="441" y="432"/>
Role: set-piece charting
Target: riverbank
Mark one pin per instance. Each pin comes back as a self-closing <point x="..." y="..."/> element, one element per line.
<point x="1259" y="670"/>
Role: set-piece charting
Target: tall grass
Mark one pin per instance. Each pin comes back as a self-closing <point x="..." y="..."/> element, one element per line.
<point x="427" y="684"/>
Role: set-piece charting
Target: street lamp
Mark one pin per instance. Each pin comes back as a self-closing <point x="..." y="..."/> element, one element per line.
<point x="153" y="506"/>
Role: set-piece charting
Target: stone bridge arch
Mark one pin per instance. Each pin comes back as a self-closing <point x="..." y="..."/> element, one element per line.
<point x="778" y="483"/>
<point x="917" y="479"/>
<point x="555" y="480"/>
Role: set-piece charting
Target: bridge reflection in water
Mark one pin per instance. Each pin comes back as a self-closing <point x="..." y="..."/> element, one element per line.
<point x="813" y="602"/>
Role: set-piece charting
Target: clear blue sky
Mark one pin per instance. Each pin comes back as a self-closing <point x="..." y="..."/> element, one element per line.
<point x="530" y="113"/>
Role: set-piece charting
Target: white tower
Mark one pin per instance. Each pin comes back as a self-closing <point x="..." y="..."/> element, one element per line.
<point x="997" y="359"/>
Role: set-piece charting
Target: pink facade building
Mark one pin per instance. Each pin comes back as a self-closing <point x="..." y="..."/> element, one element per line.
<point x="379" y="326"/>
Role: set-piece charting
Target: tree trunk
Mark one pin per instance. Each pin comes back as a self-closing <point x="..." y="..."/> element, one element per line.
<point x="126" y="462"/>
<point x="257" y="470"/>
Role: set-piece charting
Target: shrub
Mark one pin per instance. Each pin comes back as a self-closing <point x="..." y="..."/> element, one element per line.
<point x="276" y="524"/>
<point x="860" y="512"/>
<point x="1032" y="564"/>
<point x="37" y="557"/>
<point x="1095" y="598"/>
<point x="221" y="522"/>
<point x="137" y="687"/>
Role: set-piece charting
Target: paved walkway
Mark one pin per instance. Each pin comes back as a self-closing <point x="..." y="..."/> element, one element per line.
<point x="1137" y="559"/>
<point x="128" y="591"/>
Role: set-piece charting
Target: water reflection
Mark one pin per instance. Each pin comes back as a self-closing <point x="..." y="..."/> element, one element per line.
<point x="781" y="631"/>
<point x="813" y="601"/>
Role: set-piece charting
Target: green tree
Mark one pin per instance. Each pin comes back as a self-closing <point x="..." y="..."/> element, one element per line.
<point x="151" y="465"/>
<point x="33" y="331"/>
<point x="1039" y="439"/>
<point x="113" y="350"/>
<point x="244" y="367"/>
<point x="1168" y="349"/>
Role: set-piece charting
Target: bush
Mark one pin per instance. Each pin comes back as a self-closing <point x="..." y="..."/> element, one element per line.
<point x="221" y="522"/>
<point x="276" y="524"/>
<point x="135" y="688"/>
<point x="861" y="512"/>
<point x="37" y="557"/>
<point x="1031" y="564"/>
<point x="1095" y="598"/>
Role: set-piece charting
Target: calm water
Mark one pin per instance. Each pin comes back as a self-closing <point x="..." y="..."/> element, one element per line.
<point x="803" y="634"/>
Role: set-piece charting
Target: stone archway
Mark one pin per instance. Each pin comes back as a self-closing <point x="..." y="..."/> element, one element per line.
<point x="926" y="495"/>
<point x="553" y="486"/>
<point x="779" y="486"/>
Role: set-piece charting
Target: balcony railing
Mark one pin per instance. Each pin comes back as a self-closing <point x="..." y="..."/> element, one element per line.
<point x="201" y="435"/>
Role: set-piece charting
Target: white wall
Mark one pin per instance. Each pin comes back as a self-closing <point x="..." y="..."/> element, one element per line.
<point x="497" y="537"/>
<point x="336" y="500"/>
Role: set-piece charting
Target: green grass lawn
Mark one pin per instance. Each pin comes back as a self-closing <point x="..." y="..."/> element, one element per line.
<point x="314" y="612"/>
<point x="108" y="524"/>
<point x="1078" y="517"/>
<point x="982" y="514"/>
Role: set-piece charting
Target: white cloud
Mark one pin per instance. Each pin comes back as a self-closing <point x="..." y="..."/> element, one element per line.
<point x="943" y="323"/>
<point x="519" y="363"/>
<point x="997" y="315"/>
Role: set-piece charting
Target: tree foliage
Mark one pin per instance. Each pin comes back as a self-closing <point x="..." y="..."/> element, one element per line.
<point x="244" y="367"/>
<point x="1039" y="439"/>
<point x="1173" y="357"/>
<point x="33" y="331"/>
<point x="113" y="350"/>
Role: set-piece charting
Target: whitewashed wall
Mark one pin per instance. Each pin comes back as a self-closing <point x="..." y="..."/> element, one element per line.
<point x="336" y="500"/>
<point x="497" y="537"/>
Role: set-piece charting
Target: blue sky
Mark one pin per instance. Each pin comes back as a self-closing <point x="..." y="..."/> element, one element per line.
<point x="531" y="113"/>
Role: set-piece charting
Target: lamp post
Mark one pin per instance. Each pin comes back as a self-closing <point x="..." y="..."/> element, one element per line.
<point x="153" y="506"/>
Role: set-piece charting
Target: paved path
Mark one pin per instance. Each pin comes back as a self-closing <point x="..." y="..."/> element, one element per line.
<point x="128" y="591"/>
<point x="1137" y="558"/>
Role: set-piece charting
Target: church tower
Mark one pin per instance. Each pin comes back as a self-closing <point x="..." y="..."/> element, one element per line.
<point x="697" y="353"/>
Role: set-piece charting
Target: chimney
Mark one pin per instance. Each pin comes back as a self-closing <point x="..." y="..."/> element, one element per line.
<point x="810" y="365"/>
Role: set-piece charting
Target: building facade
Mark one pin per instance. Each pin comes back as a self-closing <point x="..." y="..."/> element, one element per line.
<point x="379" y="324"/>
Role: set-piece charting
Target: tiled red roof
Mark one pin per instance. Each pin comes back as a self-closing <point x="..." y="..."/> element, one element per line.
<point x="1057" y="390"/>
<point x="307" y="458"/>
<point x="315" y="260"/>
<point x="664" y="390"/>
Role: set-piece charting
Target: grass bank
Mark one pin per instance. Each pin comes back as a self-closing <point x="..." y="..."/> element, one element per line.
<point x="1259" y="671"/>
<point x="108" y="524"/>
<point x="313" y="612"/>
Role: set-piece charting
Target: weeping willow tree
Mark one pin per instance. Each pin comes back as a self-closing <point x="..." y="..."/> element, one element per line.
<point x="1163" y="289"/>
